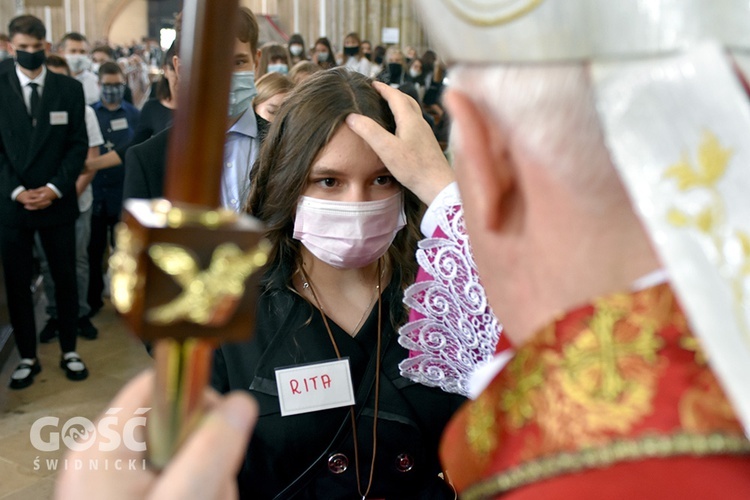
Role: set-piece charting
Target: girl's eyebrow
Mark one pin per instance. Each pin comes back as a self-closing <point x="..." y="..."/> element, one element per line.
<point x="323" y="170"/>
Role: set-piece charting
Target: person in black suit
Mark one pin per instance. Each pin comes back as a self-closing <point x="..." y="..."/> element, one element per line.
<point x="43" y="144"/>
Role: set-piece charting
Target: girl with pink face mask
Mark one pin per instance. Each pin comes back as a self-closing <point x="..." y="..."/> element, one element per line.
<point x="337" y="420"/>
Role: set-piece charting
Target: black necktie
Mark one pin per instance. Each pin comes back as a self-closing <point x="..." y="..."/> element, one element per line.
<point x="34" y="100"/>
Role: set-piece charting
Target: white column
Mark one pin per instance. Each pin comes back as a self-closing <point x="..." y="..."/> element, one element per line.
<point x="296" y="16"/>
<point x="20" y="7"/>
<point x="82" y="16"/>
<point x="48" y="23"/>
<point x="68" y="17"/>
<point x="322" y="11"/>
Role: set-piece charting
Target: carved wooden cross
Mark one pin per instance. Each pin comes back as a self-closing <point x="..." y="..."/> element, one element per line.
<point x="184" y="270"/>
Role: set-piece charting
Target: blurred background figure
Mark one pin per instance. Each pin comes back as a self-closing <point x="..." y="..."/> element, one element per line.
<point x="302" y="71"/>
<point x="118" y="121"/>
<point x="353" y="57"/>
<point x="323" y="54"/>
<point x="156" y="114"/>
<point x="104" y="53"/>
<point x="274" y="58"/>
<point x="75" y="49"/>
<point x="366" y="49"/>
<point x="394" y="69"/>
<point x="376" y="65"/>
<point x="296" y="47"/>
<point x="415" y="76"/>
<point x="136" y="77"/>
<point x="410" y="53"/>
<point x="4" y="52"/>
<point x="272" y="91"/>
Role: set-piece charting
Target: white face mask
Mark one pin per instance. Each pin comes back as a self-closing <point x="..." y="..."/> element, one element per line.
<point x="278" y="68"/>
<point x="78" y="62"/>
<point x="295" y="49"/>
<point x="348" y="235"/>
<point x="241" y="92"/>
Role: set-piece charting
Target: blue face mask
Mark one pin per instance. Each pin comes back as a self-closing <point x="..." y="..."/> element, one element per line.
<point x="278" y="68"/>
<point x="241" y="92"/>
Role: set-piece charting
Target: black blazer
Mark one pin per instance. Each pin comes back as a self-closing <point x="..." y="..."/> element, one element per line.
<point x="410" y="420"/>
<point x="145" y="164"/>
<point x="34" y="156"/>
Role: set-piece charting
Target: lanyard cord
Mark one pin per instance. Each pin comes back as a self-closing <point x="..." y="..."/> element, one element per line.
<point x="377" y="383"/>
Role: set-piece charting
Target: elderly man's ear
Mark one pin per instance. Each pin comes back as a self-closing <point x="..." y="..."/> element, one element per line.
<point x="484" y="165"/>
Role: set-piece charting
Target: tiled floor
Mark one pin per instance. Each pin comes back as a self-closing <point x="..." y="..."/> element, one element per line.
<point x="112" y="359"/>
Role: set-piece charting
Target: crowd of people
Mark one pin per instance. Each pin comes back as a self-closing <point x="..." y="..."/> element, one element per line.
<point x="504" y="324"/>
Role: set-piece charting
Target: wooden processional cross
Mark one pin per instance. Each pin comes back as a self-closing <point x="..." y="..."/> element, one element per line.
<point x="184" y="271"/>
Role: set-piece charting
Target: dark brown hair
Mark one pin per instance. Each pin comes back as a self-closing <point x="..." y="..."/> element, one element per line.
<point x="304" y="125"/>
<point x="110" y="68"/>
<point x="163" y="92"/>
<point x="55" y="61"/>
<point x="27" y="25"/>
<point x="247" y="29"/>
<point x="105" y="49"/>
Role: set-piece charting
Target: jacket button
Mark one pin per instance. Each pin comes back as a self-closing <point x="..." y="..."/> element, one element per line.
<point x="404" y="462"/>
<point x="338" y="463"/>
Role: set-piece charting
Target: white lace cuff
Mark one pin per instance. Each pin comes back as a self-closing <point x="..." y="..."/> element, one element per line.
<point x="452" y="329"/>
<point x="446" y="199"/>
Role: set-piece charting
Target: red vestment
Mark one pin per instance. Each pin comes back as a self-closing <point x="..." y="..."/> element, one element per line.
<point x="613" y="400"/>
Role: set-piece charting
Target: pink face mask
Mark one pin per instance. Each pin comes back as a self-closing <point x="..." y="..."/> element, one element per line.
<point x="348" y="235"/>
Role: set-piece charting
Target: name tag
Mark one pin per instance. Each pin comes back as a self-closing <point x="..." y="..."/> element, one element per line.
<point x="314" y="387"/>
<point x="118" y="124"/>
<point x="58" y="118"/>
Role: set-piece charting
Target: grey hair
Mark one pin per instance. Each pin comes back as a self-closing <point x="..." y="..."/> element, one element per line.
<point x="549" y="115"/>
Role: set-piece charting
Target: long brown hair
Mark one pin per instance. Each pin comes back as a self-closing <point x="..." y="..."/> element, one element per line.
<point x="304" y="125"/>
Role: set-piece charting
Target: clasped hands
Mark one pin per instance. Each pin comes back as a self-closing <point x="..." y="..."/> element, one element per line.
<point x="36" y="199"/>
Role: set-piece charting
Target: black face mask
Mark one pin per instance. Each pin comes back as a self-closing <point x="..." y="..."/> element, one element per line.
<point x="379" y="60"/>
<point x="351" y="51"/>
<point x="30" y="60"/>
<point x="395" y="70"/>
<point x="368" y="56"/>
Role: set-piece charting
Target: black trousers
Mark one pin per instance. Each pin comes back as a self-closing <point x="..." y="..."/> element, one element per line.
<point x="102" y="237"/>
<point x="16" y="251"/>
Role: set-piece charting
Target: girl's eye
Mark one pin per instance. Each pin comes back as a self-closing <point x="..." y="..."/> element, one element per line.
<point x="328" y="182"/>
<point x="384" y="180"/>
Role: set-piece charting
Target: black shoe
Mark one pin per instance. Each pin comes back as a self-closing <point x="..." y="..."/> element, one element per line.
<point x="86" y="329"/>
<point x="50" y="331"/>
<point x="73" y="366"/>
<point x="94" y="309"/>
<point x="26" y="367"/>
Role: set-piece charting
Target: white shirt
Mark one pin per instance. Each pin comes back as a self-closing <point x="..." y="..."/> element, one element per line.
<point x="26" y="89"/>
<point x="240" y="151"/>
<point x="362" y="66"/>
<point x="95" y="140"/>
<point x="90" y="82"/>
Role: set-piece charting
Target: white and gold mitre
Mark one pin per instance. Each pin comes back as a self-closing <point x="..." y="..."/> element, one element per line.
<point x="674" y="107"/>
<point x="565" y="30"/>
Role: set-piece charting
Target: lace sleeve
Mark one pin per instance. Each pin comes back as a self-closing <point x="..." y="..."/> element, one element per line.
<point x="451" y="329"/>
